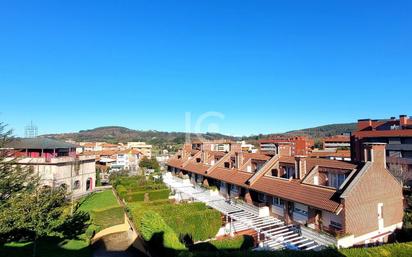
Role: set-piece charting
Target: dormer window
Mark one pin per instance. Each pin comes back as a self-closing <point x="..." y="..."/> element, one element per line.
<point x="227" y="165"/>
<point x="336" y="180"/>
<point x="275" y="172"/>
<point x="289" y="172"/>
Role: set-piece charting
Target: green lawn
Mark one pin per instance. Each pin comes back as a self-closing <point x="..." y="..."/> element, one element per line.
<point x="48" y="247"/>
<point x="104" y="211"/>
<point x="101" y="200"/>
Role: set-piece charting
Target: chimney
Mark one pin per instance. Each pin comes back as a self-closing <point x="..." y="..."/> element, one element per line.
<point x="300" y="166"/>
<point x="364" y="124"/>
<point x="403" y="120"/>
<point x="375" y="153"/>
<point x="204" y="156"/>
<point x="285" y="150"/>
<point x="238" y="159"/>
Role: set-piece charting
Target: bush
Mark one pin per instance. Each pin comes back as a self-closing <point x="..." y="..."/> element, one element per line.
<point x="236" y="243"/>
<point x="159" y="194"/>
<point x="192" y="219"/>
<point x="121" y="190"/>
<point x="135" y="197"/>
<point x="155" y="231"/>
<point x="232" y="244"/>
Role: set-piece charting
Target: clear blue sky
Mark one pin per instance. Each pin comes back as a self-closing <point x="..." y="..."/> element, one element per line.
<point x="267" y="66"/>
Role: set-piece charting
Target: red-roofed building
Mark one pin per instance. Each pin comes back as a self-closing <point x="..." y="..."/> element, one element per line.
<point x="355" y="203"/>
<point x="336" y="142"/>
<point x="299" y="144"/>
<point x="396" y="133"/>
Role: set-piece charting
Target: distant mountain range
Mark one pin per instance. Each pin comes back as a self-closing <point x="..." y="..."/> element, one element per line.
<point x="115" y="134"/>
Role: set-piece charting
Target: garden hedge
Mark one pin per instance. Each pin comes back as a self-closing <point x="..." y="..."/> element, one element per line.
<point x="155" y="231"/>
<point x="231" y="244"/>
<point x="135" y="197"/>
<point x="159" y="194"/>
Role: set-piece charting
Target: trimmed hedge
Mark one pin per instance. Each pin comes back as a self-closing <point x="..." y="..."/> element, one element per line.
<point x="121" y="190"/>
<point x="135" y="197"/>
<point x="193" y="219"/>
<point x="232" y="244"/>
<point x="155" y="231"/>
<point x="159" y="194"/>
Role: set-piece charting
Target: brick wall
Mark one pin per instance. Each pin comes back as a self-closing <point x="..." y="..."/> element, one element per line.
<point x="376" y="186"/>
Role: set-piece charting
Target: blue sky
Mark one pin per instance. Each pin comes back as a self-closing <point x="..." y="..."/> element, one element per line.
<point x="263" y="66"/>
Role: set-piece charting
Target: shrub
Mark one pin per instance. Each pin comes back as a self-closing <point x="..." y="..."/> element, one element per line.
<point x="159" y="194"/>
<point x="192" y="219"/>
<point x="236" y="243"/>
<point x="135" y="197"/>
<point x="121" y="190"/>
<point x="154" y="230"/>
<point x="232" y="244"/>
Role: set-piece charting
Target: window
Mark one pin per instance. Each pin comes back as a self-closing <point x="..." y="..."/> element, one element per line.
<point x="335" y="225"/>
<point x="278" y="202"/>
<point x="275" y="172"/>
<point x="227" y="165"/>
<point x="234" y="188"/>
<point x="336" y="180"/>
<point x="262" y="197"/>
<point x="76" y="184"/>
<point x="198" y="160"/>
<point x="301" y="209"/>
<point x="290" y="172"/>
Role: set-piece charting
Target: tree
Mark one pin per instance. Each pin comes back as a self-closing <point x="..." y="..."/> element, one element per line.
<point x="401" y="171"/>
<point x="14" y="179"/>
<point x="27" y="209"/>
<point x="149" y="164"/>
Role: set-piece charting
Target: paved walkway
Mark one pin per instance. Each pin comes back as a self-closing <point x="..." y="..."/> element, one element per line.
<point x="276" y="235"/>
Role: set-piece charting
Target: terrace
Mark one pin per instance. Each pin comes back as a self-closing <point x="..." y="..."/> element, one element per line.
<point x="273" y="233"/>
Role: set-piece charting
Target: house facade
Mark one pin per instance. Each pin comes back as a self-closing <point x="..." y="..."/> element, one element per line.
<point x="298" y="144"/>
<point x="56" y="163"/>
<point x="354" y="203"/>
<point x="336" y="142"/>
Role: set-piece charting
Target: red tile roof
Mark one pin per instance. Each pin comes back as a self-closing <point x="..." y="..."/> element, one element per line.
<point x="256" y="156"/>
<point x="338" y="153"/>
<point x="337" y="138"/>
<point x="231" y="176"/>
<point x="294" y="190"/>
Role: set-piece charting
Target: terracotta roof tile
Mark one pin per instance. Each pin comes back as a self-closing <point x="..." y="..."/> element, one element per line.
<point x="294" y="190"/>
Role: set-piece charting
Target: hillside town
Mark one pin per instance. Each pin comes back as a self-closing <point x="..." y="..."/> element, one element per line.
<point x="283" y="193"/>
<point x="216" y="128"/>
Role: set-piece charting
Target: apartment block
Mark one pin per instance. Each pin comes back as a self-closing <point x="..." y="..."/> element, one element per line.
<point x="336" y="142"/>
<point x="299" y="144"/>
<point x="395" y="133"/>
<point x="142" y="147"/>
<point x="353" y="203"/>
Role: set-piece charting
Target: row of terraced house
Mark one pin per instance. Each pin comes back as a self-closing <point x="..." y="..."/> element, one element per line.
<point x="356" y="203"/>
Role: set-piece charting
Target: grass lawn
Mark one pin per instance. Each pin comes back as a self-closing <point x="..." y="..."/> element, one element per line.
<point x="104" y="211"/>
<point x="101" y="200"/>
<point x="48" y="247"/>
